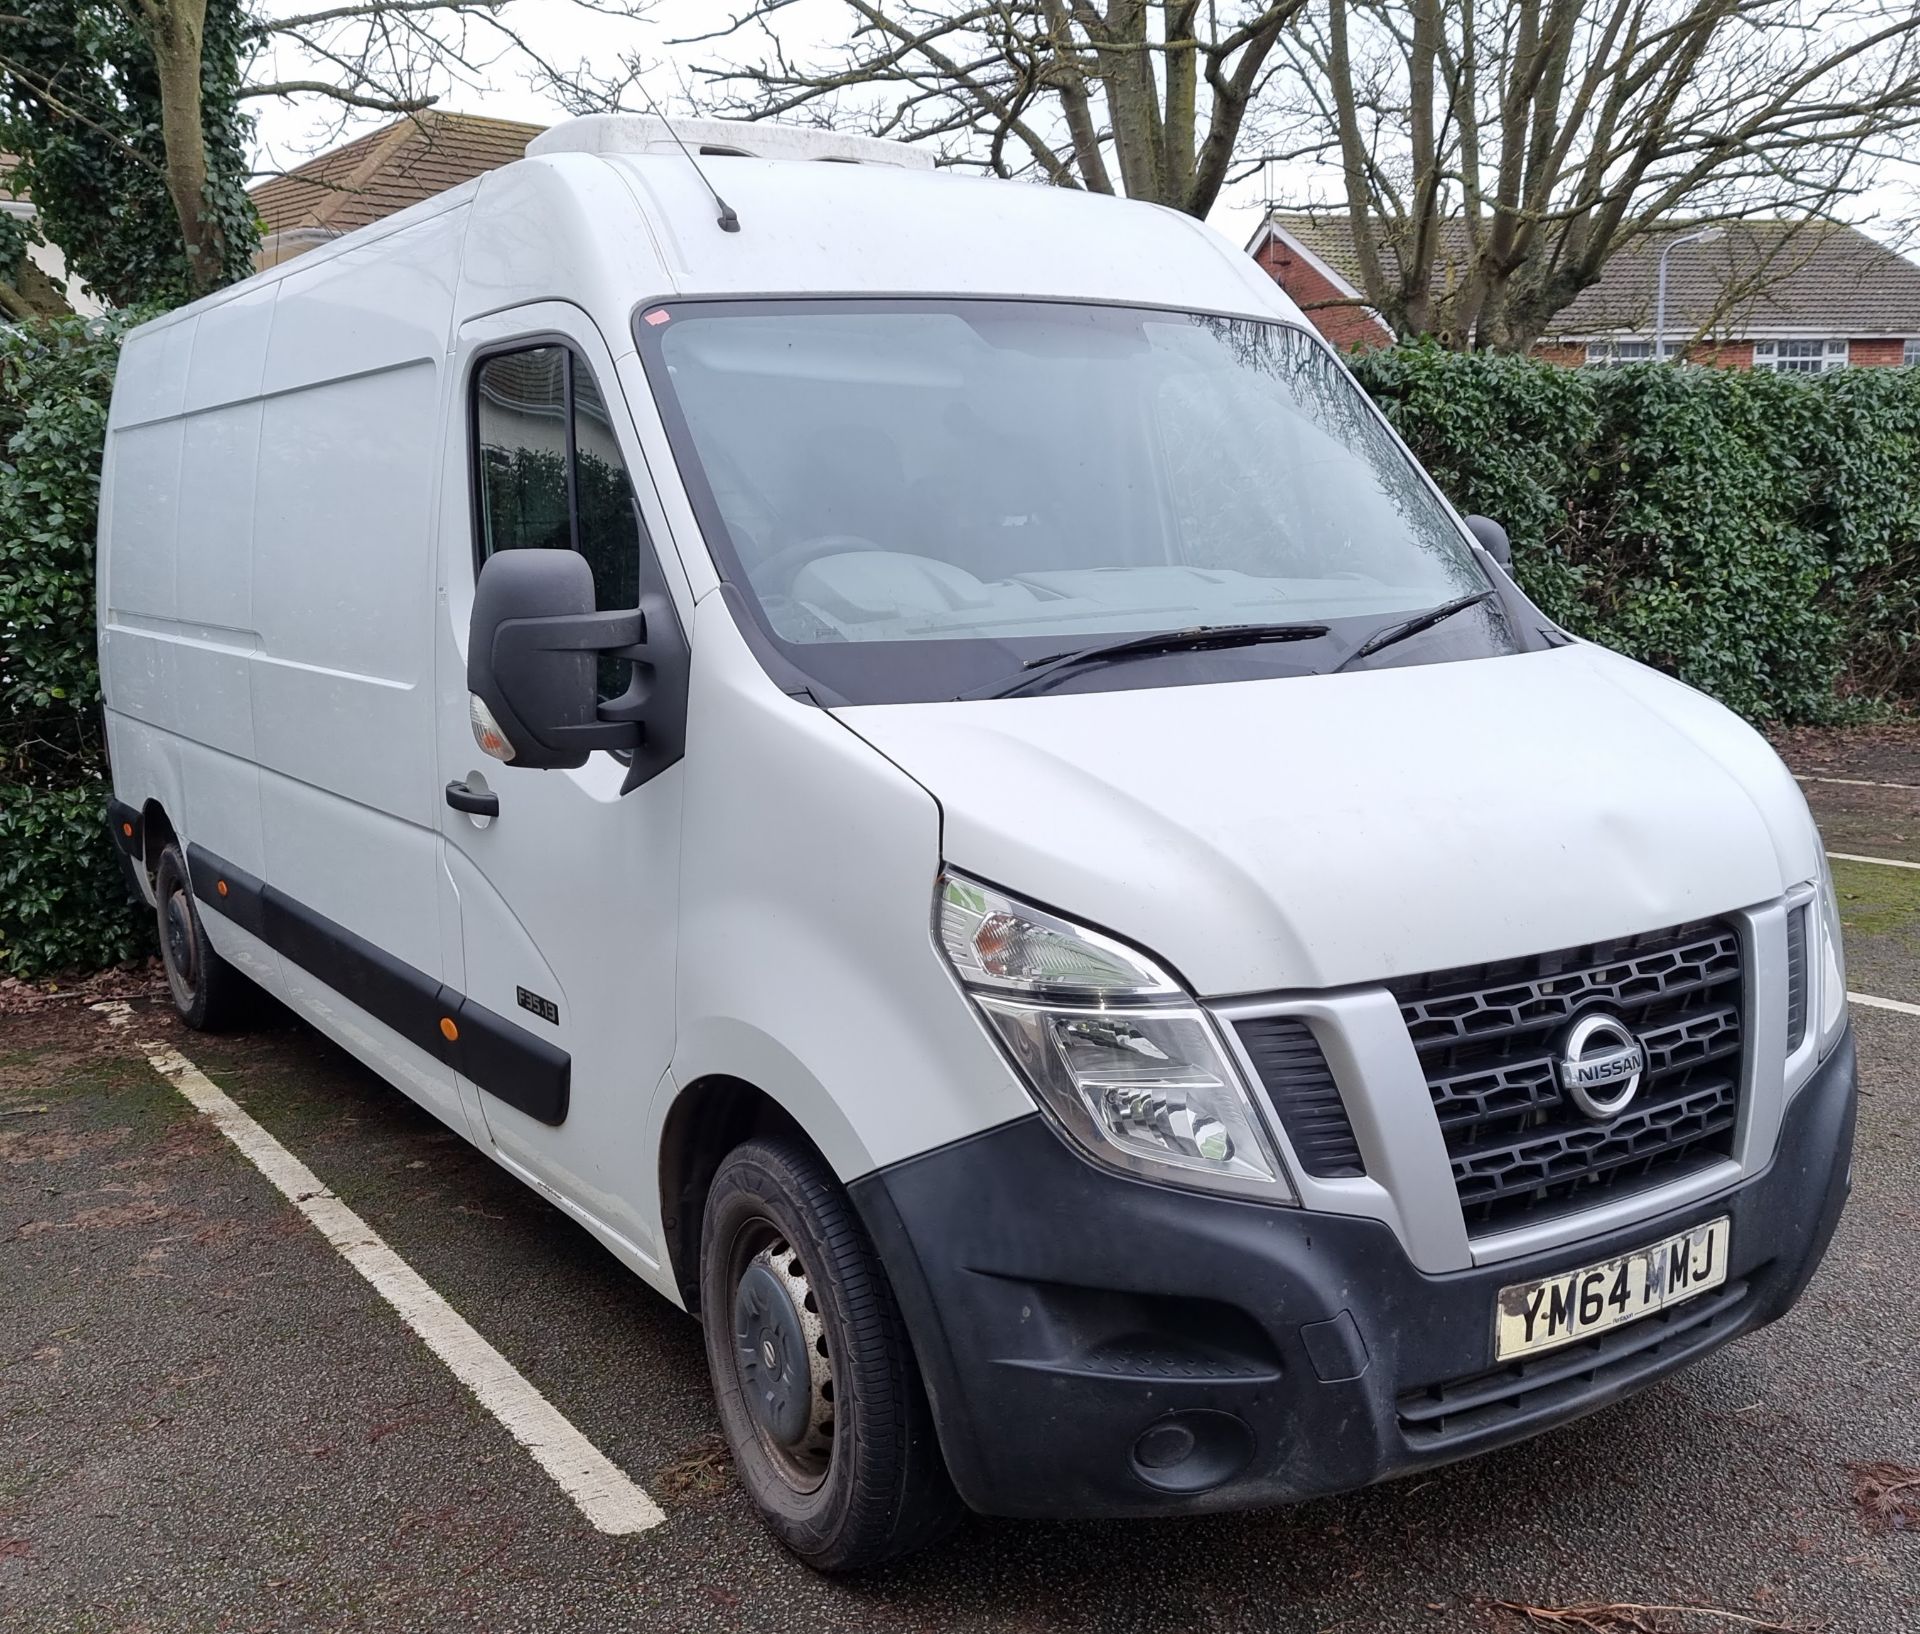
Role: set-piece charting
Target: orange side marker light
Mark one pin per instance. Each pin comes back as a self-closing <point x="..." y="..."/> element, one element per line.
<point x="448" y="1031"/>
<point x="221" y="886"/>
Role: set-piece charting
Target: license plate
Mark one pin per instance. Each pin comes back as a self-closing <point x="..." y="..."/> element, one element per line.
<point x="1530" y="1317"/>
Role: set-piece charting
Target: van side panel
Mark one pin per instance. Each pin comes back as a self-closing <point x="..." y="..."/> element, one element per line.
<point x="343" y="603"/>
<point x="146" y="480"/>
<point x="176" y="607"/>
<point x="229" y="350"/>
<point x="151" y="381"/>
<point x="266" y="601"/>
<point x="343" y="606"/>
<point x="376" y="306"/>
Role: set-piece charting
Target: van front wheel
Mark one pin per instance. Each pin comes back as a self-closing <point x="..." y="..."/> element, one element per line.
<point x="209" y="993"/>
<point x="816" y="1383"/>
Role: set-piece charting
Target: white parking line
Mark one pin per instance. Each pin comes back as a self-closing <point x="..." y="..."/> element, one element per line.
<point x="1878" y="862"/>
<point x="598" y="1487"/>
<point x="1884" y="1004"/>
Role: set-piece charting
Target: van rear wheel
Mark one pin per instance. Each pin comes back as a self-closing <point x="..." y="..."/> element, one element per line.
<point x="210" y="995"/>
<point x="818" y="1390"/>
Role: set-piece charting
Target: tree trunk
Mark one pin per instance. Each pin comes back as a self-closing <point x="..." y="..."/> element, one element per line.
<point x="1071" y="79"/>
<point x="176" y="29"/>
<point x="1133" y="99"/>
<point x="1183" y="79"/>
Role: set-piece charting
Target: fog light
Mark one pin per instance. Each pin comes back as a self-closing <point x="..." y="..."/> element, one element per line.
<point x="1161" y="1446"/>
<point x="1193" y="1451"/>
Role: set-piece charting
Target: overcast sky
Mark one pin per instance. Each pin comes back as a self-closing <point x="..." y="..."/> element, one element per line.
<point x="290" y="132"/>
<point x="567" y="34"/>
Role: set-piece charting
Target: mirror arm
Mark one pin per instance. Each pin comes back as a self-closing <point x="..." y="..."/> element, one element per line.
<point x="1492" y="538"/>
<point x="619" y="635"/>
<point x="570" y="632"/>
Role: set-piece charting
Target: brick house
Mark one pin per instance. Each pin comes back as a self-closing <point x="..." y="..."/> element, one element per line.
<point x="378" y="175"/>
<point x="1794" y="296"/>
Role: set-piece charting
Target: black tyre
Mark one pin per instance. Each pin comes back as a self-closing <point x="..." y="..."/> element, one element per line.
<point x="817" y="1386"/>
<point x="209" y="993"/>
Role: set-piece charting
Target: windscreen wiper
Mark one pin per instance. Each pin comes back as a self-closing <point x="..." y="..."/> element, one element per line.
<point x="1196" y="639"/>
<point x="1413" y="626"/>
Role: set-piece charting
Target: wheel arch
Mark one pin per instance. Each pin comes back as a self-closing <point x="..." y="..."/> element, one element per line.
<point x="731" y="1080"/>
<point x="156" y="833"/>
<point x="707" y="1120"/>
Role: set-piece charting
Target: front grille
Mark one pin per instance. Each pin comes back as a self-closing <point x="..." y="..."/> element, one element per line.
<point x="1797" y="976"/>
<point x="1300" y="1085"/>
<point x="1505" y="1398"/>
<point x="1487" y="1038"/>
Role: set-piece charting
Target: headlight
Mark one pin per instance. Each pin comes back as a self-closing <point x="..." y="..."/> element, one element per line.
<point x="999" y="945"/>
<point x="1114" y="1049"/>
<point x="1831" y="963"/>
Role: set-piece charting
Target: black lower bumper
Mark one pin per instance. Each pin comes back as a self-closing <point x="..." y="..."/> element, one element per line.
<point x="1098" y="1346"/>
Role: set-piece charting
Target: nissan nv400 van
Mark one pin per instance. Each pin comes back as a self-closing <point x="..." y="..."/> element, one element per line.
<point x="915" y="755"/>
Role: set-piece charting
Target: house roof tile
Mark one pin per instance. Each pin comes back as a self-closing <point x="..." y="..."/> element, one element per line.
<point x="1758" y="277"/>
<point x="389" y="169"/>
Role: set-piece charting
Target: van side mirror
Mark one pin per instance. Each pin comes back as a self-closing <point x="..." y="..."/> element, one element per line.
<point x="531" y="658"/>
<point x="1493" y="539"/>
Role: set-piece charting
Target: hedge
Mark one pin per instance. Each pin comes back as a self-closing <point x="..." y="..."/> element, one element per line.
<point x="62" y="900"/>
<point x="1757" y="535"/>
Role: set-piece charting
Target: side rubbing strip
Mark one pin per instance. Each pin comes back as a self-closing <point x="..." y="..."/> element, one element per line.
<point x="128" y="829"/>
<point x="407" y="1000"/>
<point x="506" y="1060"/>
<point x="528" y="1073"/>
<point x="245" y="899"/>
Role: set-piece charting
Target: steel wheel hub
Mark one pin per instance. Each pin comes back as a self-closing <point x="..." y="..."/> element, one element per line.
<point x="780" y="1349"/>
<point x="179" y="946"/>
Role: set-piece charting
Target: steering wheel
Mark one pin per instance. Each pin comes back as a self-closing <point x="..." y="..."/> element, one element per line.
<point x="779" y="570"/>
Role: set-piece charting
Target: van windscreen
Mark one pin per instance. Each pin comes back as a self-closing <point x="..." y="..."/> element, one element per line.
<point x="916" y="497"/>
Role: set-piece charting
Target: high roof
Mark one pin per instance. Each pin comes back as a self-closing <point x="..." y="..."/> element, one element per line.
<point x="386" y="171"/>
<point x="608" y="231"/>
<point x="631" y="133"/>
<point x="1758" y="278"/>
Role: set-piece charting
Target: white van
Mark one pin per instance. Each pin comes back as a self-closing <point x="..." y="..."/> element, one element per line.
<point x="915" y="755"/>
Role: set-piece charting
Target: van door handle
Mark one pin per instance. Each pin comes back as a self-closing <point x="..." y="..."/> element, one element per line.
<point x="462" y="798"/>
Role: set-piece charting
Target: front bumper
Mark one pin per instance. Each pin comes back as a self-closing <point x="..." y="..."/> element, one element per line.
<point x="1098" y="1346"/>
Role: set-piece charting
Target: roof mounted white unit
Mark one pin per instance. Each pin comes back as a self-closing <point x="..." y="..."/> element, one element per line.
<point x="611" y="133"/>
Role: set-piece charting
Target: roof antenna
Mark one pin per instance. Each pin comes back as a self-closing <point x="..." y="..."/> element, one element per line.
<point x="729" y="221"/>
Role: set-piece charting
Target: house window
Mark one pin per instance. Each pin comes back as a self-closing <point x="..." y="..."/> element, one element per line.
<point x="551" y="474"/>
<point x="1606" y="354"/>
<point x="1910" y="354"/>
<point x="1799" y="356"/>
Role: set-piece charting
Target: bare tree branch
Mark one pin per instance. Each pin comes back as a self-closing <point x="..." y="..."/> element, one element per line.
<point x="1494" y="155"/>
<point x="336" y="93"/>
<point x="1149" y="97"/>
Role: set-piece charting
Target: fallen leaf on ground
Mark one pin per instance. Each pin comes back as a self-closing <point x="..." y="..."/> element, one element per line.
<point x="702" y="1473"/>
<point x="1629" y="1617"/>
<point x="1888" y="1495"/>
